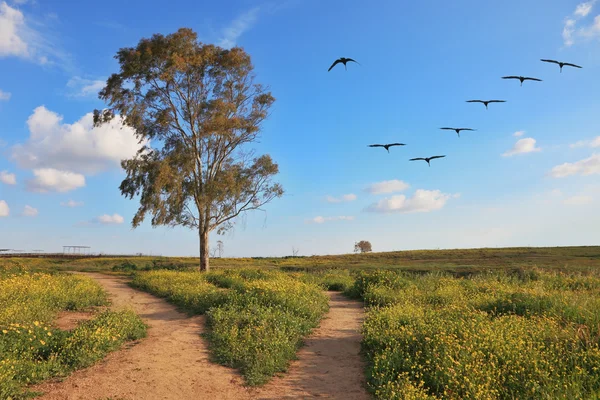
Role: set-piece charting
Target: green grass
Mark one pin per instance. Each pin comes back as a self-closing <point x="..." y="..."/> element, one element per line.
<point x="458" y="261"/>
<point x="257" y="319"/>
<point x="496" y="335"/>
<point x="31" y="349"/>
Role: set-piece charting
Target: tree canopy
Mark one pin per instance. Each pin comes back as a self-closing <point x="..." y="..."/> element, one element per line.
<point x="195" y="107"/>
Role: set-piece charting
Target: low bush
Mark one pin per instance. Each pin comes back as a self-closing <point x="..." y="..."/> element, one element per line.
<point x="31" y="349"/>
<point x="257" y="318"/>
<point x="495" y="336"/>
<point x="338" y="280"/>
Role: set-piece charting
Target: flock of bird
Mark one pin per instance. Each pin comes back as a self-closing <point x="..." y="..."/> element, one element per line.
<point x="345" y="60"/>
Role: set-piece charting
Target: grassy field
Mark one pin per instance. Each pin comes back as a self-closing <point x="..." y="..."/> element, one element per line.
<point x="533" y="335"/>
<point x="32" y="349"/>
<point x="460" y="261"/>
<point x="257" y="318"/>
<point x="448" y="324"/>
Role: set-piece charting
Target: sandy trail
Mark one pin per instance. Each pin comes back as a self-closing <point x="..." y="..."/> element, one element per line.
<point x="173" y="361"/>
<point x="329" y="366"/>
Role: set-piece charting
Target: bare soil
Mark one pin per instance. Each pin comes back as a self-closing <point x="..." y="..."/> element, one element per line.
<point x="173" y="361"/>
<point x="329" y="366"/>
<point x="68" y="320"/>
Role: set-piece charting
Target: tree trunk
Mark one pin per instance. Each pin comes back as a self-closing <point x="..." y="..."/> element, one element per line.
<point x="204" y="264"/>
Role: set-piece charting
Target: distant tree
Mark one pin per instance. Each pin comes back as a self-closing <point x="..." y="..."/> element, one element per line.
<point x="194" y="106"/>
<point x="364" y="246"/>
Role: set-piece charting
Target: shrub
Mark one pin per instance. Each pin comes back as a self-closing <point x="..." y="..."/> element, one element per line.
<point x="492" y="336"/>
<point x="32" y="350"/>
<point x="257" y="318"/>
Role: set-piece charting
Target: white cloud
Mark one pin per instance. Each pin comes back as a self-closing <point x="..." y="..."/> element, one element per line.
<point x="583" y="9"/>
<point x="19" y="39"/>
<point x="322" y="220"/>
<point x="8" y="179"/>
<point x="578" y="200"/>
<point x="109" y="219"/>
<point x="586" y="143"/>
<point x="53" y="180"/>
<point x="526" y="145"/>
<point x="78" y="147"/>
<point x="72" y="204"/>
<point x="4" y="96"/>
<point x="392" y="186"/>
<point x="241" y="24"/>
<point x="4" y="209"/>
<point x="81" y="87"/>
<point x="518" y="133"/>
<point x="587" y="166"/>
<point x="421" y="201"/>
<point x="12" y="26"/>
<point x="29" y="211"/>
<point x="556" y="192"/>
<point x="570" y="30"/>
<point x="342" y="199"/>
<point x="591" y="31"/>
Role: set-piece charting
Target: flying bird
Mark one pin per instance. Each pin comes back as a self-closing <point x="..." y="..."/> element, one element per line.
<point x="457" y="130"/>
<point x="486" y="102"/>
<point x="521" y="78"/>
<point x="387" y="146"/>
<point x="342" y="60"/>
<point x="561" y="64"/>
<point x="427" y="159"/>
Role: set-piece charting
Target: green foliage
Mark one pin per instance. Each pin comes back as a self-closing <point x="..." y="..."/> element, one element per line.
<point x="513" y="335"/>
<point x="364" y="246"/>
<point x="459" y="262"/>
<point x="338" y="280"/>
<point x="93" y="339"/>
<point x="32" y="350"/>
<point x="188" y="290"/>
<point x="28" y="297"/>
<point x="257" y="318"/>
<point x="126" y="266"/>
<point x="200" y="104"/>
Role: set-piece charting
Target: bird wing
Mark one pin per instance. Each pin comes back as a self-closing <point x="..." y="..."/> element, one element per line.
<point x="496" y="101"/>
<point x="396" y="144"/>
<point x="511" y="77"/>
<point x="416" y="159"/>
<point x="572" y="65"/>
<point x="475" y="101"/>
<point x="349" y="59"/>
<point x="448" y="129"/>
<point x="375" y="145"/>
<point x="466" y="129"/>
<point x="532" y="79"/>
<point x="431" y="158"/>
<point x="336" y="62"/>
<point x="550" y="61"/>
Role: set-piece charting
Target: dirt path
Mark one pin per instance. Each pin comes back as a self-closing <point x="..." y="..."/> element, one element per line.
<point x="329" y="366"/>
<point x="173" y="361"/>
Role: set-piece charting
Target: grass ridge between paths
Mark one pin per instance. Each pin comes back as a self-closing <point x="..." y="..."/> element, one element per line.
<point x="257" y="319"/>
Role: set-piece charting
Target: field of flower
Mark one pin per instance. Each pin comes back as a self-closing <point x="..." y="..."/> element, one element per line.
<point x="256" y="318"/>
<point x="533" y="335"/>
<point x="32" y="349"/>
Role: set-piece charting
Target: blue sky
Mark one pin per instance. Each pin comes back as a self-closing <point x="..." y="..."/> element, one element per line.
<point x="420" y="61"/>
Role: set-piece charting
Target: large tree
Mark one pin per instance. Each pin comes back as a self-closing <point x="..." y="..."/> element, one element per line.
<point x="195" y="108"/>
